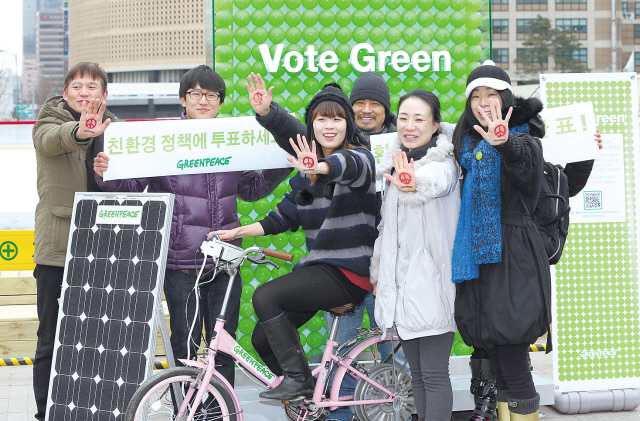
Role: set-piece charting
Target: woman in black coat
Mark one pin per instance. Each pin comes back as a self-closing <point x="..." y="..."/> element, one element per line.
<point x="503" y="300"/>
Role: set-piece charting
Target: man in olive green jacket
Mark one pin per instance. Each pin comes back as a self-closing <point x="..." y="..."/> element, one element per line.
<point x="67" y="136"/>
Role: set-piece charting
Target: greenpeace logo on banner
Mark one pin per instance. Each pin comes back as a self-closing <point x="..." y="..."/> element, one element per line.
<point x="202" y="163"/>
<point x="599" y="353"/>
<point x="126" y="215"/>
<point x="328" y="61"/>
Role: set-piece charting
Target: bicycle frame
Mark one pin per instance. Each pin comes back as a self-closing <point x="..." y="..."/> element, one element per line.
<point x="222" y="341"/>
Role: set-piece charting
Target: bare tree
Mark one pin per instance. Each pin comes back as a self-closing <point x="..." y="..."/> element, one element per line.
<point x="46" y="88"/>
<point x="6" y="95"/>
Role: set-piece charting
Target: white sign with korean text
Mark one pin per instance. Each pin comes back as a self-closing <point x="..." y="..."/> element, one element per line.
<point x="569" y="133"/>
<point x="174" y="147"/>
<point x="379" y="145"/>
<point x="603" y="198"/>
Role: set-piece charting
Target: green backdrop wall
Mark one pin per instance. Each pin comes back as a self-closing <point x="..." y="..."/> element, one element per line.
<point x="459" y="27"/>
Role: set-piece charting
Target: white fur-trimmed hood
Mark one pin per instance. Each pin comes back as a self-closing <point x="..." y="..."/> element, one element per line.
<point x="425" y="183"/>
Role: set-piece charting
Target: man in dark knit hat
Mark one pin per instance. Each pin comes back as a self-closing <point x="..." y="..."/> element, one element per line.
<point x="371" y="103"/>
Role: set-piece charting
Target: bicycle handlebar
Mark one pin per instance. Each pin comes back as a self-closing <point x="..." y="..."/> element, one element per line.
<point x="278" y="254"/>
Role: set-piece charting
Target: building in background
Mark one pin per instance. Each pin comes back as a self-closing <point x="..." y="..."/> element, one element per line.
<point x="29" y="10"/>
<point x="29" y="78"/>
<point x="43" y="61"/>
<point x="140" y="41"/>
<point x="589" y="21"/>
<point x="50" y="57"/>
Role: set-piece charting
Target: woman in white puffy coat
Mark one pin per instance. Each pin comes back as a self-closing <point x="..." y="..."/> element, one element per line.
<point x="411" y="264"/>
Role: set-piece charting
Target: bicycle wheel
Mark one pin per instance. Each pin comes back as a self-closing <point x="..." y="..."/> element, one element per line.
<point x="400" y="384"/>
<point x="154" y="399"/>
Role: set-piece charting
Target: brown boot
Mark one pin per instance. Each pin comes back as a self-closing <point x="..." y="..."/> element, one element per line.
<point x="503" y="411"/>
<point x="524" y="409"/>
<point x="503" y="406"/>
<point x="528" y="417"/>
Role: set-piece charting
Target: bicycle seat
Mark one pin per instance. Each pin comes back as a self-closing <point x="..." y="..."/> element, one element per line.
<point x="342" y="310"/>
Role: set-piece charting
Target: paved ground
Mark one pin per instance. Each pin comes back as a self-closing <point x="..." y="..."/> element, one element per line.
<point x="17" y="404"/>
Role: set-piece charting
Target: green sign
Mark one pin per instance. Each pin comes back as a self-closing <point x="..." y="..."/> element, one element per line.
<point x="8" y="250"/>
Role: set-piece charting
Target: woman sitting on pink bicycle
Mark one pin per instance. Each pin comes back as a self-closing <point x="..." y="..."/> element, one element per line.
<point x="333" y="199"/>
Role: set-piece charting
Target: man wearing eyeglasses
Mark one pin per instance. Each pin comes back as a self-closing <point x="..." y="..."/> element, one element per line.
<point x="203" y="203"/>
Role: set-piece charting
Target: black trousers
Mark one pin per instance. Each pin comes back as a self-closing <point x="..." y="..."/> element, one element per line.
<point x="49" y="284"/>
<point x="178" y="290"/>
<point x="300" y="295"/>
<point x="510" y="365"/>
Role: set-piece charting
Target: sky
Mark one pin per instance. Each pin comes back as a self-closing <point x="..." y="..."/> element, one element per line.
<point x="11" y="34"/>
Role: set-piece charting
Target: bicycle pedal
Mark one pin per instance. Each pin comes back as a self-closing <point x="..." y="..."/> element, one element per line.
<point x="294" y="402"/>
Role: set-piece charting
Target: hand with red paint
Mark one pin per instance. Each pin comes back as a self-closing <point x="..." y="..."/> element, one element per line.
<point x="307" y="161"/>
<point x="91" y="124"/>
<point x="497" y="129"/>
<point x="259" y="96"/>
<point x="405" y="178"/>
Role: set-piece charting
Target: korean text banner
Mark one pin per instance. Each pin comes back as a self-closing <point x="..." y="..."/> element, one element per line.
<point x="174" y="147"/>
<point x="595" y="306"/>
<point x="569" y="133"/>
<point x="379" y="145"/>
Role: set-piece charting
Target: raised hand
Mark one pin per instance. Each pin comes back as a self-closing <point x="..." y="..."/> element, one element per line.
<point x="598" y="138"/>
<point x="259" y="96"/>
<point x="91" y="124"/>
<point x="101" y="163"/>
<point x="307" y="161"/>
<point x="497" y="129"/>
<point x="405" y="179"/>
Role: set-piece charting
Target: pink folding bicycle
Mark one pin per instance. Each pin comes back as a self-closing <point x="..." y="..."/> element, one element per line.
<point x="383" y="392"/>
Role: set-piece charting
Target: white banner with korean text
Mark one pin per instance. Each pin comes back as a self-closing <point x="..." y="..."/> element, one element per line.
<point x="379" y="145"/>
<point x="174" y="147"/>
<point x="569" y="133"/>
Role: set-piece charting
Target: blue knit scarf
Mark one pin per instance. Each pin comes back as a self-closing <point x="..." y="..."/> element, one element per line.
<point x="479" y="235"/>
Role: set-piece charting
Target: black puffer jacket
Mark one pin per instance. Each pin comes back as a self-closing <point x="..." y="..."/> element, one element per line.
<point x="510" y="303"/>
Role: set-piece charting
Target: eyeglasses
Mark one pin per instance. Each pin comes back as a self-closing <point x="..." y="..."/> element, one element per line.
<point x="211" y="97"/>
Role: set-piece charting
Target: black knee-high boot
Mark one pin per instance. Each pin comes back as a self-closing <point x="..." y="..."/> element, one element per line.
<point x="284" y="340"/>
<point x="483" y="387"/>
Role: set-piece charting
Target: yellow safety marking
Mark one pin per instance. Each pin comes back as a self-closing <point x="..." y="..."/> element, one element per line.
<point x="537" y="348"/>
<point x="15" y="361"/>
<point x="16" y="250"/>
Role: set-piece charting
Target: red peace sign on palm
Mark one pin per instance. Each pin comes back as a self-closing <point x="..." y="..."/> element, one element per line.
<point x="500" y="130"/>
<point x="404" y="178"/>
<point x="257" y="98"/>
<point x="91" y="123"/>
<point x="308" y="162"/>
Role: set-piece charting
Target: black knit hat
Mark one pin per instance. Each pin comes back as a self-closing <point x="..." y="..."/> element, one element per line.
<point x="333" y="92"/>
<point x="371" y="85"/>
<point x="488" y="75"/>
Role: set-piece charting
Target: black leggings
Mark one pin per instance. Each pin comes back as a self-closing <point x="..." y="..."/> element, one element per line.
<point x="300" y="294"/>
<point x="510" y="365"/>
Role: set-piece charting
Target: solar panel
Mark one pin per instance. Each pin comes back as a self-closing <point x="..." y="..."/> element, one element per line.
<point x="111" y="304"/>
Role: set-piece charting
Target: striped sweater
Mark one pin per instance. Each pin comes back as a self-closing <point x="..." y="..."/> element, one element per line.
<point x="340" y="231"/>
